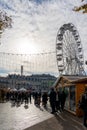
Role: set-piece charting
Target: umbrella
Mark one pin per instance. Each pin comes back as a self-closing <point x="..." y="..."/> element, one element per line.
<point x="14" y="89"/>
<point x="22" y="89"/>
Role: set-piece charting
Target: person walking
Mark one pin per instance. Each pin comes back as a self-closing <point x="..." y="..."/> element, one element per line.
<point x="83" y="105"/>
<point x="35" y="98"/>
<point x="58" y="97"/>
<point x="44" y="99"/>
<point x="38" y="98"/>
<point x="29" y="95"/>
<point x="62" y="99"/>
<point x="52" y="99"/>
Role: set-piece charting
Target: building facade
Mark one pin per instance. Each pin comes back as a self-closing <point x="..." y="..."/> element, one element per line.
<point x="35" y="82"/>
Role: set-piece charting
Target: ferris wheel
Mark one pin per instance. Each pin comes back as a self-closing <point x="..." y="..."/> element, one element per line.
<point x="69" y="53"/>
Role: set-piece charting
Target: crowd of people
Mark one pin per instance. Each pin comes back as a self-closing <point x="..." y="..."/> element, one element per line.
<point x="55" y="98"/>
<point x="17" y="97"/>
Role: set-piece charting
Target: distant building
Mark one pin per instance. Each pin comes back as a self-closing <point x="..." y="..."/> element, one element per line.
<point x="34" y="82"/>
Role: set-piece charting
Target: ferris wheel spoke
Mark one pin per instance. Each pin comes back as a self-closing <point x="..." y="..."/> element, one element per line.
<point x="67" y="48"/>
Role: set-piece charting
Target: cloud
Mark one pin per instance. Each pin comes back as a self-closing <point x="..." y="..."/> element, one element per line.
<point x="40" y="20"/>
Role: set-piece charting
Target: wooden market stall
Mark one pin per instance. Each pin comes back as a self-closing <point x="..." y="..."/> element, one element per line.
<point x="74" y="86"/>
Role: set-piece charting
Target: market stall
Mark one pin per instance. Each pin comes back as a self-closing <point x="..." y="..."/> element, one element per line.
<point x="74" y="87"/>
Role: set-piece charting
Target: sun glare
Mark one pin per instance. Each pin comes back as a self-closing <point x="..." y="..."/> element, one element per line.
<point x="26" y="46"/>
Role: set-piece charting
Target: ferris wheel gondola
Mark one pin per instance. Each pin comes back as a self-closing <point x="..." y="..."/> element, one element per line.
<point x="69" y="52"/>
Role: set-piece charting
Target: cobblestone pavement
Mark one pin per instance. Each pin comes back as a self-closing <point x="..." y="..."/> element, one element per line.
<point x="34" y="118"/>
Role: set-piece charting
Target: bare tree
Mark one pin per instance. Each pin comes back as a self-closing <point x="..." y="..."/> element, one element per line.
<point x="5" y="21"/>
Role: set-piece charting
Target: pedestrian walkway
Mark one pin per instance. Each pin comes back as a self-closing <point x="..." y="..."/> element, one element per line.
<point x="21" y="117"/>
<point x="36" y="118"/>
<point x="60" y="121"/>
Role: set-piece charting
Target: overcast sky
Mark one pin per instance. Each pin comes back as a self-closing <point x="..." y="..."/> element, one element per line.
<point x="38" y="21"/>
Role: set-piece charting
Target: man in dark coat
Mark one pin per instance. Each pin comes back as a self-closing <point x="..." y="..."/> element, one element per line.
<point x="52" y="99"/>
<point x="58" y="99"/>
<point x="44" y="99"/>
<point x="63" y="99"/>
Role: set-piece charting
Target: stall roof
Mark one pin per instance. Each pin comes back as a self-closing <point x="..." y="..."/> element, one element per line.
<point x="74" y="77"/>
<point x="71" y="79"/>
